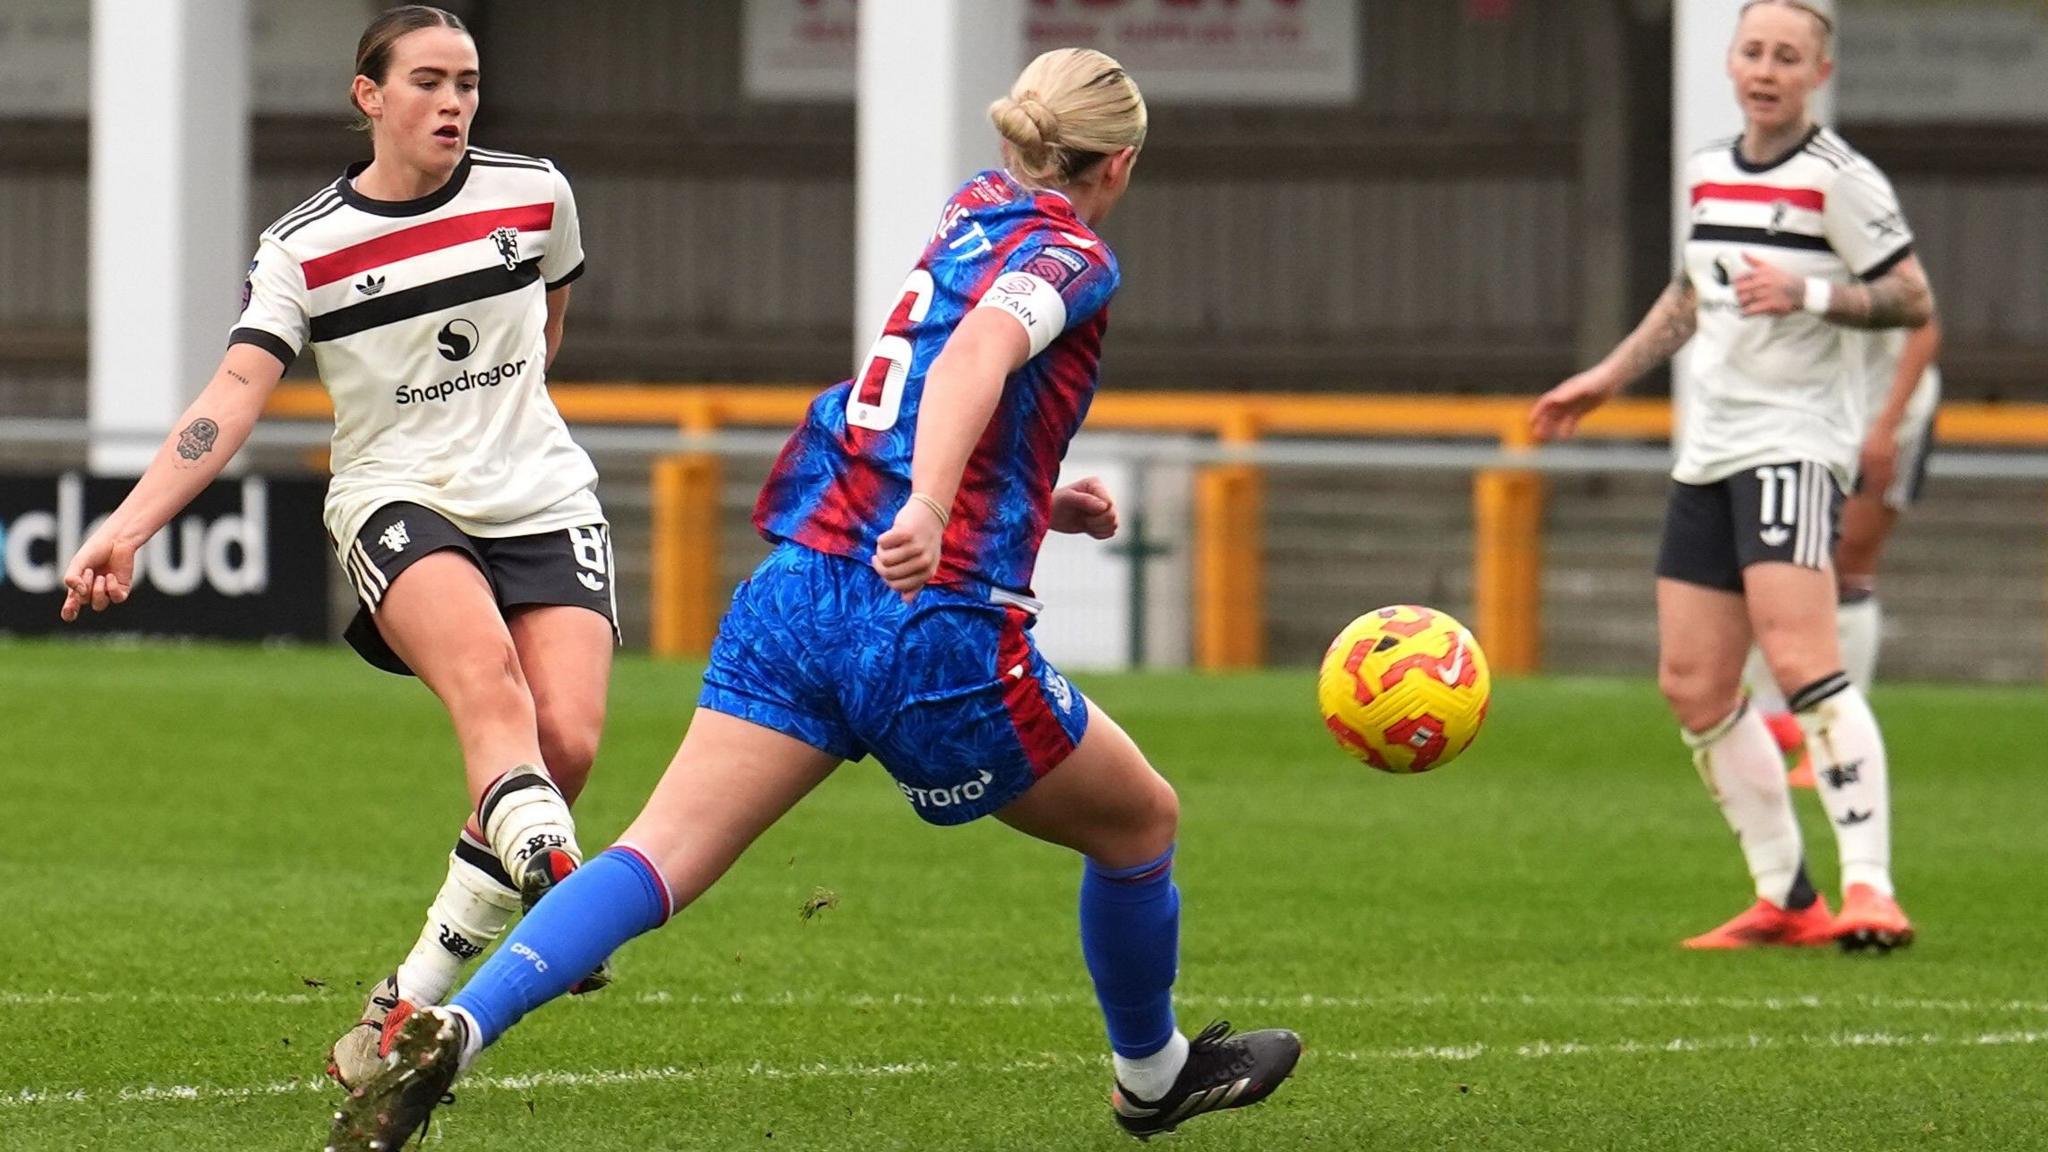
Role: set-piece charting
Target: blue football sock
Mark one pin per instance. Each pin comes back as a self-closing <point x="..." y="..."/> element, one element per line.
<point x="1130" y="934"/>
<point x="568" y="934"/>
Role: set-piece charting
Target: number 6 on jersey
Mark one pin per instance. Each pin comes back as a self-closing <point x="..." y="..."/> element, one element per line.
<point x="878" y="397"/>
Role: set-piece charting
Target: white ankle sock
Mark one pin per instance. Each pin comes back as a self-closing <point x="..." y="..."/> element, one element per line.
<point x="470" y="911"/>
<point x="472" y="1038"/>
<point x="1149" y="1077"/>
<point x="1745" y="774"/>
<point x="1850" y="771"/>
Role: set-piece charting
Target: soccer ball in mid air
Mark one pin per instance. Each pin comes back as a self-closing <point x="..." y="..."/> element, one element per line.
<point x="1404" y="688"/>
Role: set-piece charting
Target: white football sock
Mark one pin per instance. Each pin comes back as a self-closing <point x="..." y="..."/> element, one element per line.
<point x="1860" y="624"/>
<point x="1849" y="769"/>
<point x="470" y="912"/>
<point x="522" y="815"/>
<point x="472" y="1038"/>
<point x="1150" y="1077"/>
<point x="1763" y="687"/>
<point x="1745" y="774"/>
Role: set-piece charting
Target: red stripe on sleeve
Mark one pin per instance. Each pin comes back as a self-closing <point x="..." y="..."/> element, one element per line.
<point x="1811" y="199"/>
<point x="421" y="239"/>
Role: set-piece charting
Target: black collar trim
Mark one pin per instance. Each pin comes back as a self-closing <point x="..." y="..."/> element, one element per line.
<point x="414" y="207"/>
<point x="1735" y="150"/>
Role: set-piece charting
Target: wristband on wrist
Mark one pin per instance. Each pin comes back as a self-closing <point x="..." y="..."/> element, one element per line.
<point x="1820" y="294"/>
<point x="938" y="510"/>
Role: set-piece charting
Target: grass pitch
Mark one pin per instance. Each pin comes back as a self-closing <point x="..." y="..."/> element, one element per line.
<point x="210" y="851"/>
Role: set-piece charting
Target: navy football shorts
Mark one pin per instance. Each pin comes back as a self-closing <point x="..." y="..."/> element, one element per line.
<point x="572" y="567"/>
<point x="1787" y="513"/>
<point x="949" y="692"/>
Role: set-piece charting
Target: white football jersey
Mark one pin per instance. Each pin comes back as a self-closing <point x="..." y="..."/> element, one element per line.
<point x="1776" y="389"/>
<point x="427" y="320"/>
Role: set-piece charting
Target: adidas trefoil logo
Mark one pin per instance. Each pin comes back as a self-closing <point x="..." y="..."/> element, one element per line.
<point x="371" y="285"/>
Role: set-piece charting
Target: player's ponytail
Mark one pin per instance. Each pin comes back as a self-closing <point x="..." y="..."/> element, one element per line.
<point x="1068" y="109"/>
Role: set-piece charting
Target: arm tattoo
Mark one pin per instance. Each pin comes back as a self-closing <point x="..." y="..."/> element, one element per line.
<point x="237" y="375"/>
<point x="1898" y="299"/>
<point x="1671" y="322"/>
<point x="198" y="438"/>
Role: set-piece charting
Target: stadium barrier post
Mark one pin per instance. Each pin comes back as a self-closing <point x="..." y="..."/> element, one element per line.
<point x="1230" y="617"/>
<point x="683" y="600"/>
<point x="1507" y="559"/>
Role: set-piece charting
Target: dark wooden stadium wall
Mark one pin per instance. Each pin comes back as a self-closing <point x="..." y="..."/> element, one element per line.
<point x="1427" y="238"/>
<point x="1488" y="213"/>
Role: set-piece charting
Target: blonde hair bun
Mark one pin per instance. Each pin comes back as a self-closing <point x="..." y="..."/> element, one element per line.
<point x="1068" y="108"/>
<point x="1031" y="128"/>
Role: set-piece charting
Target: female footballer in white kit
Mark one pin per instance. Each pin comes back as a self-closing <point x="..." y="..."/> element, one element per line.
<point x="431" y="284"/>
<point x="1796" y="242"/>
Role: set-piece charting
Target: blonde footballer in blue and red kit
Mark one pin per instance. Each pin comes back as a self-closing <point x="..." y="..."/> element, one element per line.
<point x="893" y="618"/>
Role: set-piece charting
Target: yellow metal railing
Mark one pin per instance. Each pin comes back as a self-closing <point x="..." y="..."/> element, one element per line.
<point x="1507" y="503"/>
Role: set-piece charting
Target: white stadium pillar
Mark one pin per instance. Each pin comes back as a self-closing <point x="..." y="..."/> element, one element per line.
<point x="169" y="203"/>
<point x="1703" y="107"/>
<point x="927" y="71"/>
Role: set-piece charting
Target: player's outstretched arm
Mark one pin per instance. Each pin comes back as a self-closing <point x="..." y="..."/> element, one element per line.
<point x="961" y="391"/>
<point x="208" y="435"/>
<point x="1670" y="323"/>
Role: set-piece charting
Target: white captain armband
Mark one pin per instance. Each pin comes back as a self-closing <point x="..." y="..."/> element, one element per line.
<point x="1033" y="302"/>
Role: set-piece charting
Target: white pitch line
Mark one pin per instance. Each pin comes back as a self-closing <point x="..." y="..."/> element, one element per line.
<point x="1076" y="999"/>
<point x="608" y="1078"/>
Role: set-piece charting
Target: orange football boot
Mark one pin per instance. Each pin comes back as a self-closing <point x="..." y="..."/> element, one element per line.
<point x="1871" y="919"/>
<point x="1791" y="738"/>
<point x="1764" y="924"/>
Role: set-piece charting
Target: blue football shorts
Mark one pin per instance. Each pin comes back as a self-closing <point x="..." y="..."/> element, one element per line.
<point x="949" y="692"/>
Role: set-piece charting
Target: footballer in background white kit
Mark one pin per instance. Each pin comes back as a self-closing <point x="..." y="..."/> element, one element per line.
<point x="1772" y="429"/>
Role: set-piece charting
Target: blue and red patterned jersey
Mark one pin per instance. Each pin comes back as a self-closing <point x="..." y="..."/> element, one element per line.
<point x="846" y="472"/>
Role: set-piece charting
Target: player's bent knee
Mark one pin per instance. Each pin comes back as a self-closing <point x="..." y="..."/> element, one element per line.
<point x="569" y="750"/>
<point x="1679" y="684"/>
<point x="1164" y="810"/>
<point x="1797" y="658"/>
<point x="1151" y="824"/>
<point x="1696" y="700"/>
